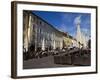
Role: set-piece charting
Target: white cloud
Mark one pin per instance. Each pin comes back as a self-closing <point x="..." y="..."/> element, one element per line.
<point x="77" y="20"/>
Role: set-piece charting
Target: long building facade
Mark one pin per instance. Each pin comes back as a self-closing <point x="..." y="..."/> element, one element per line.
<point x="40" y="35"/>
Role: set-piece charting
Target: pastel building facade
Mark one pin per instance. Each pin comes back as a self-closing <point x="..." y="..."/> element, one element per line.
<point x="39" y="34"/>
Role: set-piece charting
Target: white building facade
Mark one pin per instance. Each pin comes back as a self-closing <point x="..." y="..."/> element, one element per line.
<point x="39" y="34"/>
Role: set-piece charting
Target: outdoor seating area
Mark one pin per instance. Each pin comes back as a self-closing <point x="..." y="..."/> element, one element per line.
<point x="40" y="54"/>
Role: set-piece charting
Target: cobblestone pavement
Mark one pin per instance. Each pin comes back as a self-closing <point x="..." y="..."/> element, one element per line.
<point x="45" y="62"/>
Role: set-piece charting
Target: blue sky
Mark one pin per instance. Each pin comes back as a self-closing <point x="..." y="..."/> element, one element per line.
<point x="65" y="21"/>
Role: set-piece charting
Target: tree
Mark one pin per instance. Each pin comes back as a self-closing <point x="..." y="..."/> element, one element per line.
<point x="89" y="43"/>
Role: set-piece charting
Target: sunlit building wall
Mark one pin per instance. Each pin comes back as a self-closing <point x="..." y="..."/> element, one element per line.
<point x="39" y="34"/>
